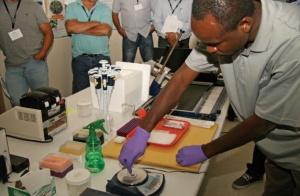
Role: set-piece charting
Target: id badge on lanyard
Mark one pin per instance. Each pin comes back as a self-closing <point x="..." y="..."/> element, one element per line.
<point x="15" y="33"/>
<point x="138" y="6"/>
<point x="173" y="16"/>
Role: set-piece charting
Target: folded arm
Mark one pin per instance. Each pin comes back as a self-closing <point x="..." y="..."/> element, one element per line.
<point x="102" y="29"/>
<point x="90" y="28"/>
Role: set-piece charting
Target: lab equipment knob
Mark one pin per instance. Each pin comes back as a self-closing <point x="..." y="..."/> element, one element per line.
<point x="103" y="63"/>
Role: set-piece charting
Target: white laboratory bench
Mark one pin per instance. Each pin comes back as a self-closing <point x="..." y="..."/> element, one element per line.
<point x="176" y="183"/>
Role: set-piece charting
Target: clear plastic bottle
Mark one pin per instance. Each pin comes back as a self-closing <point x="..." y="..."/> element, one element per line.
<point x="109" y="127"/>
<point x="93" y="158"/>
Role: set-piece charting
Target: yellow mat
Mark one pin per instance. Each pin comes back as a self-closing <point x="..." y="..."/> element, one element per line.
<point x="165" y="156"/>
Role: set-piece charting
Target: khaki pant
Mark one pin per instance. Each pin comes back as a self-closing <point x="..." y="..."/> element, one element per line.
<point x="280" y="181"/>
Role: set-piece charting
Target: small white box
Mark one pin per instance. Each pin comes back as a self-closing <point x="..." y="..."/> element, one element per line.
<point x="131" y="88"/>
<point x="47" y="190"/>
<point x="4" y="149"/>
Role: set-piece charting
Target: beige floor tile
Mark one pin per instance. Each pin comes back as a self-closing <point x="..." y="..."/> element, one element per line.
<point x="227" y="167"/>
<point x="230" y="124"/>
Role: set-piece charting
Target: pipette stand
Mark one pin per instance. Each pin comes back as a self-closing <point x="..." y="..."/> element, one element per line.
<point x="106" y="72"/>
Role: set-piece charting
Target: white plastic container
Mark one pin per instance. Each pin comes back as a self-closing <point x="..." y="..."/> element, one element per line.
<point x="84" y="108"/>
<point x="77" y="181"/>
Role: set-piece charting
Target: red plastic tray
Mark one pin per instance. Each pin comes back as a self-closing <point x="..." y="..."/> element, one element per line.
<point x="159" y="126"/>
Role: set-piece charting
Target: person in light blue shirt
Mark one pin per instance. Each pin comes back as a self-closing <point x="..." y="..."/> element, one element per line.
<point x="89" y="22"/>
<point x="136" y="28"/>
<point x="182" y="10"/>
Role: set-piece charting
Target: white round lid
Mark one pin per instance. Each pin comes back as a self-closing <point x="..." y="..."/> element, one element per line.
<point x="78" y="177"/>
<point x="84" y="102"/>
<point x="135" y="178"/>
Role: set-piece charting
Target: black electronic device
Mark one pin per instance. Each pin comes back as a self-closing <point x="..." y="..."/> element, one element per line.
<point x="3" y="170"/>
<point x="35" y="100"/>
<point x="93" y="192"/>
<point x="53" y="93"/>
<point x="79" y="137"/>
<point x="18" y="163"/>
<point x="37" y="118"/>
<point x="201" y="101"/>
<point x="139" y="183"/>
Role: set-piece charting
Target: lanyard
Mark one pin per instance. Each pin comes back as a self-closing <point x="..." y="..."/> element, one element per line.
<point x="173" y="10"/>
<point x="89" y="17"/>
<point x="13" y="20"/>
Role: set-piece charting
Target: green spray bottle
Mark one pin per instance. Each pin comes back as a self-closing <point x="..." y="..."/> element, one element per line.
<point x="93" y="157"/>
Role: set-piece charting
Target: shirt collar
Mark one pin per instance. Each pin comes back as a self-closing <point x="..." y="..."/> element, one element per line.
<point x="263" y="37"/>
<point x="98" y="3"/>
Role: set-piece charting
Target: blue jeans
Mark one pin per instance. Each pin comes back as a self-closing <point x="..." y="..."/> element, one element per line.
<point x="80" y="67"/>
<point x="33" y="75"/>
<point x="130" y="48"/>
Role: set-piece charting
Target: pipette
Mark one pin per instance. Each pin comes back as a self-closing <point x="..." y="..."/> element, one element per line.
<point x="104" y="84"/>
<point x="116" y="71"/>
<point x="110" y="85"/>
<point x="108" y="67"/>
<point x="103" y="63"/>
<point x="108" y="79"/>
<point x="95" y="73"/>
<point x="98" y="89"/>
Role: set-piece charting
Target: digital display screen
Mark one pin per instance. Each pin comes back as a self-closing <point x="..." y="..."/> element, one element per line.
<point x="152" y="184"/>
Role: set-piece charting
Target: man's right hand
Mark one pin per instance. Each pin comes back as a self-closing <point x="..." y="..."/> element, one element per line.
<point x="171" y="38"/>
<point x="134" y="148"/>
<point x="122" y="32"/>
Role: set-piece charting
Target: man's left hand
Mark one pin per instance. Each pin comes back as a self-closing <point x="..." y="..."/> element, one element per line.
<point x="152" y="29"/>
<point x="190" y="155"/>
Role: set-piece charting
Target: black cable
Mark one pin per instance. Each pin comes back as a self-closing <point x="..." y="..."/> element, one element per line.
<point x="205" y="116"/>
<point x="161" y="170"/>
<point x="25" y="172"/>
<point x="48" y="139"/>
<point x="5" y="178"/>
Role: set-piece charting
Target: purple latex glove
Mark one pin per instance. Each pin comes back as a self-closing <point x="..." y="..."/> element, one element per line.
<point x="134" y="148"/>
<point x="190" y="155"/>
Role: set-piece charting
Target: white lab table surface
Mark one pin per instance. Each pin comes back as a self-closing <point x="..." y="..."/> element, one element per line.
<point x="176" y="183"/>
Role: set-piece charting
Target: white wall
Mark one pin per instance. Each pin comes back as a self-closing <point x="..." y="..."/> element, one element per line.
<point x="59" y="61"/>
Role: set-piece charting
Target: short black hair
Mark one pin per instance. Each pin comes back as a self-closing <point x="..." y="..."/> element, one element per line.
<point x="228" y="13"/>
